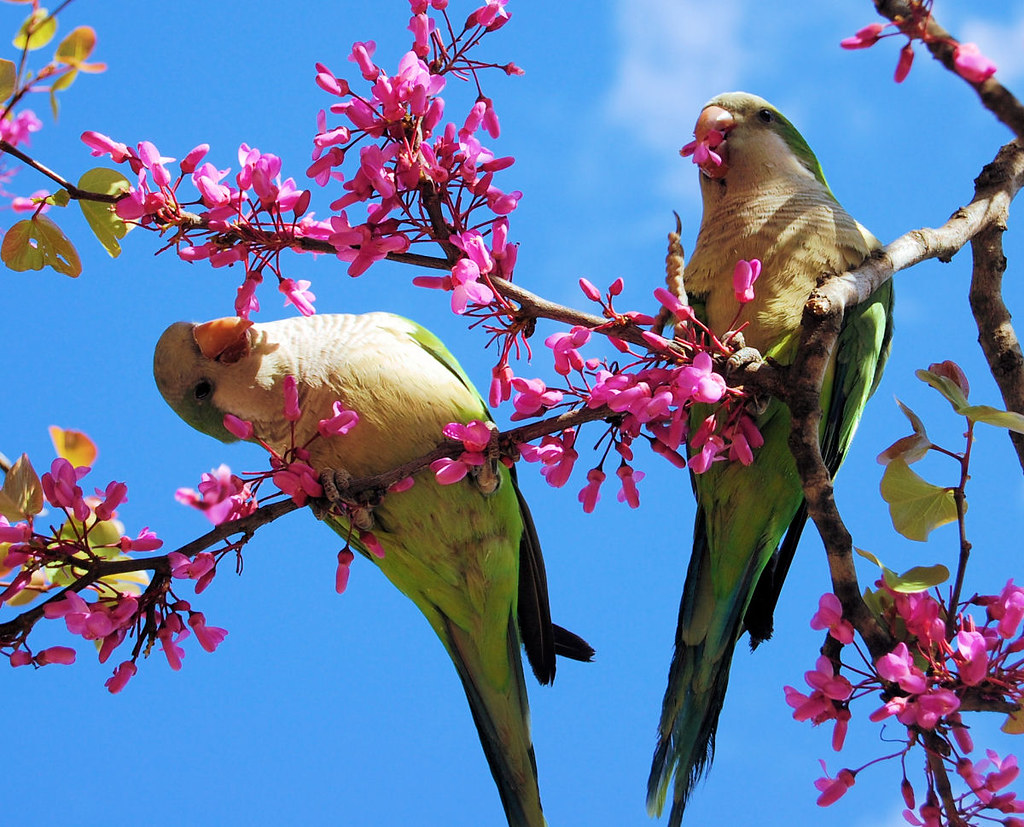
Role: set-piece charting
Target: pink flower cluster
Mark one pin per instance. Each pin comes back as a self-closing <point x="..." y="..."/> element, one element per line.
<point x="923" y="682"/>
<point x="475" y="437"/>
<point x="968" y="61"/>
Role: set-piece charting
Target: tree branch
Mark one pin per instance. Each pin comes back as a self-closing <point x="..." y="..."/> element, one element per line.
<point x="994" y="96"/>
<point x="822" y="321"/>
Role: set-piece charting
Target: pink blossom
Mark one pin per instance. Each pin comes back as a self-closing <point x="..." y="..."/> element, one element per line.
<point x="830" y="616"/>
<point x="299" y="481"/>
<point x="370" y="542"/>
<point x="699" y="382"/>
<point x="56" y="654"/>
<point x="703" y="151"/>
<point x="102" y="145"/>
<point x="492" y="15"/>
<point x="971" y="64"/>
<point x="20" y="658"/>
<point x="564" y="345"/>
<point x="124" y="672"/>
<point x="345" y="558"/>
<point x="114" y="494"/>
<point x="557" y="455"/>
<point x="533" y="396"/>
<point x="629" y="478"/>
<point x="246" y="302"/>
<point x="172" y="651"/>
<point x="466" y="286"/>
<point x="290" y="390"/>
<point x="146" y="541"/>
<point x="591" y="292"/>
<point x="297" y="293"/>
<point x="898" y="667"/>
<point x="904" y="63"/>
<point x="61" y="489"/>
<point x="868" y="36"/>
<point x="672" y="303"/>
<point x="832" y="789"/>
<point x="241" y="428"/>
<point x="825" y="680"/>
<point x="501" y="384"/>
<point x="194" y="158"/>
<point x="16" y="129"/>
<point x="449" y="471"/>
<point x="190" y="568"/>
<point x="17" y="533"/>
<point x="972" y="657"/>
<point x="340" y="423"/>
<point x="207" y="180"/>
<point x="1008" y="609"/>
<point x="590" y="495"/>
<point x="209" y="637"/>
<point x="743" y="277"/>
<point x="222" y="496"/>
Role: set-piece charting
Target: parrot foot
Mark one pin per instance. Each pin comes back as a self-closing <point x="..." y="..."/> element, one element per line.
<point x="742" y="358"/>
<point x="358" y="508"/>
<point x="486" y="476"/>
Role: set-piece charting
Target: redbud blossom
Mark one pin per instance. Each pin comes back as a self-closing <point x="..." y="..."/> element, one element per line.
<point x="971" y="64"/>
<point x="240" y="428"/>
<point x="629" y="478"/>
<point x="209" y="637"/>
<point x="340" y="423"/>
<point x="743" y="277"/>
<point x="904" y="63"/>
<point x="56" y="654"/>
<point x="832" y="789"/>
<point x="345" y="558"/>
<point x="370" y="542"/>
<point x="590" y="495"/>
<point x="830" y="616"/>
<point x="297" y="293"/>
<point x="868" y="36"/>
<point x="122" y="675"/>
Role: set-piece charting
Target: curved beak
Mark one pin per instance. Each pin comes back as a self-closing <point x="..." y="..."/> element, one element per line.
<point x="225" y="340"/>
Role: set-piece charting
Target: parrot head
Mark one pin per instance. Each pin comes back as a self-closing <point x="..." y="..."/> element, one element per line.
<point x="190" y="363"/>
<point x="741" y="136"/>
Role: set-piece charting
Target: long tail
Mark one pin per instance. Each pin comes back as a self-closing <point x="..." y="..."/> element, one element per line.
<point x="709" y="625"/>
<point x="501" y="712"/>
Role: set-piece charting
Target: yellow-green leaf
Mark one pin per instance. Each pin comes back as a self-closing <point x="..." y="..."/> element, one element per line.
<point x="8" y="78"/>
<point x="74" y="446"/>
<point x="915" y="505"/>
<point x="38" y="242"/>
<point x="1014" y="723"/>
<point x="995" y="416"/>
<point x="946" y="386"/>
<point x="22" y="493"/>
<point x="104" y="222"/>
<point x="916" y="579"/>
<point x="37" y="30"/>
<point x="77" y="46"/>
<point x="60" y="198"/>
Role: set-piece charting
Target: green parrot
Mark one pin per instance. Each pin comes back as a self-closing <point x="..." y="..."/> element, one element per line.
<point x="764" y="197"/>
<point x="466" y="554"/>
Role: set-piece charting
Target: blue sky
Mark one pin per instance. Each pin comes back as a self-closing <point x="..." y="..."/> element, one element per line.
<point x="322" y="708"/>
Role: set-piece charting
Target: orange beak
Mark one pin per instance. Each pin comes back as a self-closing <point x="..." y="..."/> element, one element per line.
<point x="225" y="340"/>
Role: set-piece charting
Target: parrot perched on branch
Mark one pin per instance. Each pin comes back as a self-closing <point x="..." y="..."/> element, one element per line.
<point x="466" y="554"/>
<point x="764" y="197"/>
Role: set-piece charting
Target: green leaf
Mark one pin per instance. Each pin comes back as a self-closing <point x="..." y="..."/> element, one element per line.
<point x="995" y="416"/>
<point x="916" y="579"/>
<point x="946" y="386"/>
<point x="60" y="198"/>
<point x="37" y="30"/>
<point x="8" y="78"/>
<point x="38" y="242"/>
<point x="22" y="493"/>
<point x="104" y="222"/>
<point x="915" y="505"/>
<point x="77" y="46"/>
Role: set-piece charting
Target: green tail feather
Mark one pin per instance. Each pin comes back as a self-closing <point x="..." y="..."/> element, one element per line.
<point x="706" y="638"/>
<point x="502" y="719"/>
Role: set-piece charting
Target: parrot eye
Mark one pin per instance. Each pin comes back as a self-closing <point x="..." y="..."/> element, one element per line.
<point x="765" y="115"/>
<point x="202" y="390"/>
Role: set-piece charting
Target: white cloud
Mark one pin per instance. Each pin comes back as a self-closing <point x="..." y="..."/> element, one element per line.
<point x="674" y="55"/>
<point x="1001" y="43"/>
